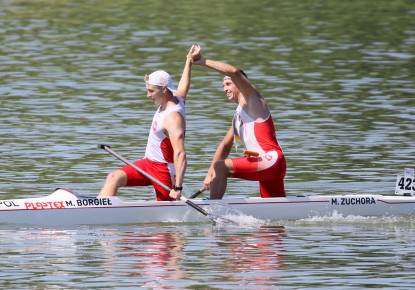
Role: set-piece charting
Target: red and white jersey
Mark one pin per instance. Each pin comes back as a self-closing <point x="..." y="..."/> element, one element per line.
<point x="256" y="136"/>
<point x="159" y="148"/>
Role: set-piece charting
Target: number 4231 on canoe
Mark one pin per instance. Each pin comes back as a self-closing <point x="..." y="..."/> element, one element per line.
<point x="405" y="184"/>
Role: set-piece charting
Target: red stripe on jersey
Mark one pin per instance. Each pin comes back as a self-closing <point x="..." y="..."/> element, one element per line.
<point x="265" y="135"/>
<point x="167" y="150"/>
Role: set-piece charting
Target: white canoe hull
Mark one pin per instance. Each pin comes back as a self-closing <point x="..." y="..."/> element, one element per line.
<point x="65" y="208"/>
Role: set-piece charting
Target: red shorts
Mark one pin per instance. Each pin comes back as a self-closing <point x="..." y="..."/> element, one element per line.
<point x="164" y="172"/>
<point x="268" y="169"/>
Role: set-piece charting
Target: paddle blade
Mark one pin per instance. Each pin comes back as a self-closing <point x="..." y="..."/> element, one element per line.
<point x="102" y="146"/>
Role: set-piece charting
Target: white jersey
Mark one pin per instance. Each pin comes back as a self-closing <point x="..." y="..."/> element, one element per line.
<point x="255" y="136"/>
<point x="159" y="148"/>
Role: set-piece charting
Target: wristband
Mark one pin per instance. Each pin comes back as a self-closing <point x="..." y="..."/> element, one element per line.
<point x="176" y="188"/>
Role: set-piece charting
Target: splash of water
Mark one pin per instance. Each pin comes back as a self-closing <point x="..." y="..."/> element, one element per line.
<point x="224" y="215"/>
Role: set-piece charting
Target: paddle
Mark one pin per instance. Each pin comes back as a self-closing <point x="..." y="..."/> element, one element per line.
<point x="182" y="198"/>
<point x="194" y="195"/>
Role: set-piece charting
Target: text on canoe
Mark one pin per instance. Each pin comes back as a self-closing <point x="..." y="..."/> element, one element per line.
<point x="352" y="200"/>
<point x="68" y="203"/>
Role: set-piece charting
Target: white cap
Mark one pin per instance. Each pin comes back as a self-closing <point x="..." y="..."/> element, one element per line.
<point x="161" y="78"/>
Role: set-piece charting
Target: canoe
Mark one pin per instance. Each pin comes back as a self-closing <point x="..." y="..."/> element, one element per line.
<point x="64" y="207"/>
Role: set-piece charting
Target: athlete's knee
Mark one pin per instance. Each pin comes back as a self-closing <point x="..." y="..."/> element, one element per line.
<point x="272" y="188"/>
<point x="221" y="167"/>
<point x="117" y="178"/>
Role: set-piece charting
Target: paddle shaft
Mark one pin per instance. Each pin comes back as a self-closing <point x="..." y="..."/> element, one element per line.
<point x="197" y="193"/>
<point x="182" y="198"/>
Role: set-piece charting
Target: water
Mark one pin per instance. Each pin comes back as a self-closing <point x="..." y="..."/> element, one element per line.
<point x="333" y="253"/>
<point x="337" y="75"/>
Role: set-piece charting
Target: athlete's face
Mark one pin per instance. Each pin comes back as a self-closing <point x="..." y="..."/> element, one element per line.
<point x="231" y="90"/>
<point x="155" y="93"/>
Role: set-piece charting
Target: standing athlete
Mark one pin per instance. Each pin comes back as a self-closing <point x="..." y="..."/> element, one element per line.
<point x="165" y="156"/>
<point x="253" y="125"/>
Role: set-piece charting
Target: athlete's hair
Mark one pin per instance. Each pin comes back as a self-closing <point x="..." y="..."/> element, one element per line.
<point x="242" y="72"/>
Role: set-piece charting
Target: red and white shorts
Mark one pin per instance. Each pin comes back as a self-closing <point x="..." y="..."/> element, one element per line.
<point x="164" y="172"/>
<point x="268" y="169"/>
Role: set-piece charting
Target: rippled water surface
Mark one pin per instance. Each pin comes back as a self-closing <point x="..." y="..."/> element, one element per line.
<point x="337" y="75"/>
<point x="333" y="253"/>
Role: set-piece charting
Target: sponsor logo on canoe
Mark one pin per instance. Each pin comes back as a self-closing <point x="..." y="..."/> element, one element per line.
<point x="44" y="205"/>
<point x="352" y="200"/>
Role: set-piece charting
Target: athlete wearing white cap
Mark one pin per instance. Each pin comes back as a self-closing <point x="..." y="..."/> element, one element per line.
<point x="161" y="78"/>
<point x="165" y="157"/>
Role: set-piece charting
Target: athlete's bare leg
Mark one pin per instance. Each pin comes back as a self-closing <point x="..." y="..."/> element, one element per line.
<point x="114" y="181"/>
<point x="223" y="169"/>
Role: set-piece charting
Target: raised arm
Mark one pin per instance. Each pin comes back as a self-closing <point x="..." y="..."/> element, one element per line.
<point x="250" y="98"/>
<point x="184" y="83"/>
<point x="241" y="82"/>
